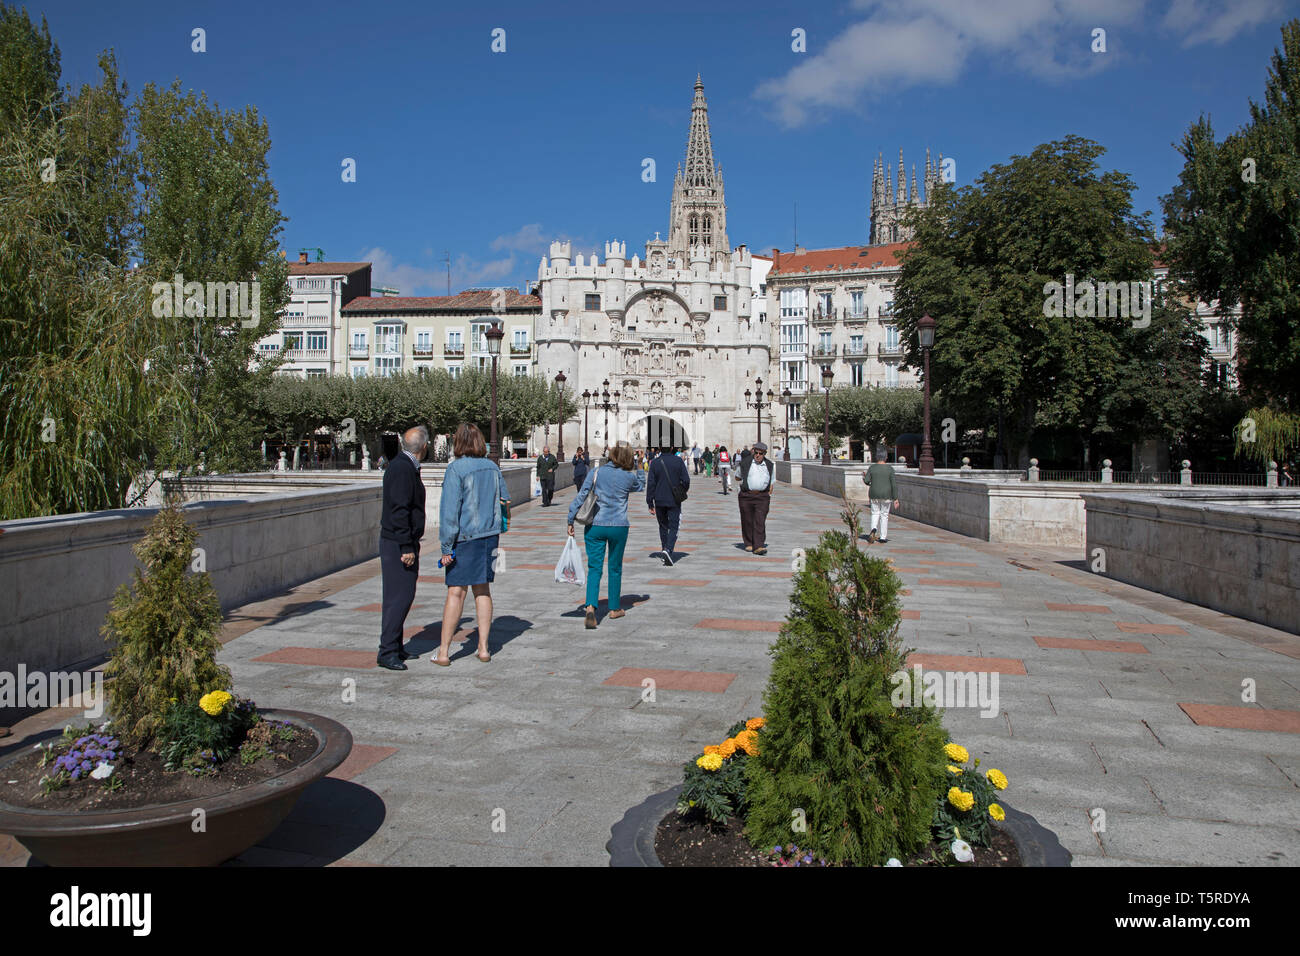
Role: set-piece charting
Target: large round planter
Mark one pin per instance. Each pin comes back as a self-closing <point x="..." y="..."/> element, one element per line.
<point x="632" y="839"/>
<point x="165" y="835"/>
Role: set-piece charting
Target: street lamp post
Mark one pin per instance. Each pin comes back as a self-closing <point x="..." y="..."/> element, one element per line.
<point x="827" y="377"/>
<point x="785" y="400"/>
<point x="925" y="331"/>
<point x="608" y="406"/>
<point x="758" y="404"/>
<point x="494" y="336"/>
<point x="586" y="418"/>
<point x="559" y="417"/>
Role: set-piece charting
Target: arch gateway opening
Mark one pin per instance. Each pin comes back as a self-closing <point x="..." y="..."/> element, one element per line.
<point x="658" y="431"/>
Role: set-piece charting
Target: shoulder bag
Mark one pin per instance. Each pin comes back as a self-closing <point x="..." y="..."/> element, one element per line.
<point x="586" y="512"/>
<point x="679" y="493"/>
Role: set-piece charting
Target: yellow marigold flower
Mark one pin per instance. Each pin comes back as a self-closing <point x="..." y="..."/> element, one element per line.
<point x="996" y="812"/>
<point x="709" y="762"/>
<point x="711" y="749"/>
<point x="215" y="702"/>
<point x="997" y="778"/>
<point x="754" y="723"/>
<point x="956" y="753"/>
<point x="961" y="799"/>
<point x="953" y="769"/>
<point x="727" y="747"/>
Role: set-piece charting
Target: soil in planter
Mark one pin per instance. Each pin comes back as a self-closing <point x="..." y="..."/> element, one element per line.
<point x="145" y="782"/>
<point x="681" y="841"/>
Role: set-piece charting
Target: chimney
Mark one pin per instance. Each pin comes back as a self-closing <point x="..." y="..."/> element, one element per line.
<point x="302" y="258"/>
<point x="776" y="260"/>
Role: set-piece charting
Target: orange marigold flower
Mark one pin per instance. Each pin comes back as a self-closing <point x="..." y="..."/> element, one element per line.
<point x="754" y="723"/>
<point x="747" y="740"/>
<point x="727" y="747"/>
<point x="712" y="749"/>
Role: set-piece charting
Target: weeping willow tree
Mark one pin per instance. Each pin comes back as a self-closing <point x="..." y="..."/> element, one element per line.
<point x="1265" y="435"/>
<point x="80" y="409"/>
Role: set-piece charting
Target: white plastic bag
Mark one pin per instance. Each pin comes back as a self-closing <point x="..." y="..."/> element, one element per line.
<point x="537" y="487"/>
<point x="568" y="570"/>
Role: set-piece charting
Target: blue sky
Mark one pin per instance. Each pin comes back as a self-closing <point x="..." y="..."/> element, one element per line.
<point x="488" y="156"/>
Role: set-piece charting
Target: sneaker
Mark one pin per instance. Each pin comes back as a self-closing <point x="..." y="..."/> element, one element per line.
<point x="762" y="550"/>
<point x="668" y="558"/>
<point x="884" y="541"/>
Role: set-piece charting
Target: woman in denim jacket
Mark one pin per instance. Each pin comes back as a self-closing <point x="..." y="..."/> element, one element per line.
<point x="611" y="485"/>
<point x="469" y="522"/>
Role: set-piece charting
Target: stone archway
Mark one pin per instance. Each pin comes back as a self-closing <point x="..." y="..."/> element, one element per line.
<point x="658" y="431"/>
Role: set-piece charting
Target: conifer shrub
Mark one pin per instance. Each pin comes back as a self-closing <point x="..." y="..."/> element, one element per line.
<point x="164" y="631"/>
<point x="841" y="771"/>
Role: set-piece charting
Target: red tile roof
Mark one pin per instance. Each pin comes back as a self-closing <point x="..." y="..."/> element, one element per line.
<point x="843" y="258"/>
<point x="326" y="268"/>
<point x="472" y="300"/>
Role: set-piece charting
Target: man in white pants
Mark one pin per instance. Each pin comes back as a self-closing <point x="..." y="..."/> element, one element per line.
<point x="882" y="490"/>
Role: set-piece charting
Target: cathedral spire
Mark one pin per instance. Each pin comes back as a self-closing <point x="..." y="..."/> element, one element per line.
<point x="698" y="216"/>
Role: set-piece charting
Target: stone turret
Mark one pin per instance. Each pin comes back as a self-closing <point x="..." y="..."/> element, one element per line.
<point x="561" y="257"/>
<point x="700" y="305"/>
<point x="744" y="264"/>
<point x="615" y="285"/>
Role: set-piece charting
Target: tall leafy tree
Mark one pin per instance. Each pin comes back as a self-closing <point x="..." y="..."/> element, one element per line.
<point x="29" y="80"/>
<point x="870" y="415"/>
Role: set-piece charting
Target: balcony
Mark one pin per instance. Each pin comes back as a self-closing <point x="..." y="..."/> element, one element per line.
<point x="796" y="388"/>
<point x="799" y="349"/>
<point x="824" y="351"/>
<point x="306" y="355"/>
<point x="889" y="351"/>
<point x="359" y="351"/>
<point x="859" y="316"/>
<point x="823" y="318"/>
<point x="453" y="351"/>
<point x="304" y="321"/>
<point x="422" y="351"/>
<point x="862" y="350"/>
<point x="520" y="350"/>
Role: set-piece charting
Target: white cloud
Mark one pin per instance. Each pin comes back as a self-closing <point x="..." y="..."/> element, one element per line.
<point x="901" y="44"/>
<point x="527" y="238"/>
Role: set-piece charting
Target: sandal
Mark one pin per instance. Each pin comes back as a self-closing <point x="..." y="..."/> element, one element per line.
<point x="484" y="656"/>
<point x="618" y="613"/>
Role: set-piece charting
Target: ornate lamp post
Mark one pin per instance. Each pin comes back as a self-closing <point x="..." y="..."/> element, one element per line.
<point x="827" y="377"/>
<point x="586" y="417"/>
<point x="559" y="417"/>
<point x="785" y="400"/>
<point x="608" y="406"/>
<point x="494" y="336"/>
<point x="925" y="331"/>
<point x="758" y="404"/>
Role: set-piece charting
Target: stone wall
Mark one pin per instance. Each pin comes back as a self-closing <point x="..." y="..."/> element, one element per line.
<point x="1236" y="552"/>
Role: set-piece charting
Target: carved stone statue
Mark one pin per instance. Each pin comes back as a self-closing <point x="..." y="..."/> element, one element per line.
<point x="683" y="362"/>
<point x="656" y="263"/>
<point x="656" y="308"/>
<point x="657" y="356"/>
<point x="631" y="360"/>
<point x="631" y="393"/>
<point x="657" y="394"/>
<point x="683" y="393"/>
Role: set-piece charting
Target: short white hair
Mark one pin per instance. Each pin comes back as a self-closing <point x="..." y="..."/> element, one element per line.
<point x="421" y="439"/>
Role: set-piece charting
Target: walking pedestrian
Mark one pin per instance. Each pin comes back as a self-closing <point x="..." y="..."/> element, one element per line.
<point x="581" y="465"/>
<point x="610" y="527"/>
<point x="666" y="487"/>
<point x="469" y="525"/>
<point x="724" y="468"/>
<point x="754" y="496"/>
<point x="546" y="465"/>
<point x="401" y="526"/>
<point x="696" y="456"/>
<point x="882" y="489"/>
<point x="707" y="458"/>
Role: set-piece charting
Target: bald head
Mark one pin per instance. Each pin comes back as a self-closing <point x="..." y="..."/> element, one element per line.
<point x="416" y="440"/>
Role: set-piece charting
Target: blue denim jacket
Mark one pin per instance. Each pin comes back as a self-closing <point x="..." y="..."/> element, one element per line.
<point x="472" y="490"/>
<point x="613" y="485"/>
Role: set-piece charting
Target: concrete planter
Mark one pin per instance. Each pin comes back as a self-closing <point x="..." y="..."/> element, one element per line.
<point x="163" y="835"/>
<point x="632" y="839"/>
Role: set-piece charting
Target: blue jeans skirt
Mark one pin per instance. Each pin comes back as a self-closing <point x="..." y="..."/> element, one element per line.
<point x="474" y="563"/>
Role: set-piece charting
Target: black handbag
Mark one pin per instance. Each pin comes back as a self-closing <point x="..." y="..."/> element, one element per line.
<point x="678" y="490"/>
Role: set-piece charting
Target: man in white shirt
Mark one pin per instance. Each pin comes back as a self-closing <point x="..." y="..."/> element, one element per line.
<point x="696" y="453"/>
<point x="754" y="495"/>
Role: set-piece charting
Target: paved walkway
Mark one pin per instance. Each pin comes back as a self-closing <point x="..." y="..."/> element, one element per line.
<point x="1112" y="699"/>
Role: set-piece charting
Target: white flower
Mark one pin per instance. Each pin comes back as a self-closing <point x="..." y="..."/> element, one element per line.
<point x="103" y="771"/>
<point x="104" y="725"/>
<point x="893" y="861"/>
<point x="962" y="851"/>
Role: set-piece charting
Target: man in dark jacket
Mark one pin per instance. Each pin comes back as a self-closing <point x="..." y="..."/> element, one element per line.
<point x="546" y="465"/>
<point x="754" y="495"/>
<point x="401" y="526"/>
<point x="668" y="474"/>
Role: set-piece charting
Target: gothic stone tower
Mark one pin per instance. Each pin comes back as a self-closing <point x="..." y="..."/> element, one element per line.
<point x="698" y="214"/>
<point x="888" y="205"/>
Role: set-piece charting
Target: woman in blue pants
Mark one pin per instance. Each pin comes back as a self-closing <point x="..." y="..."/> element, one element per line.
<point x="612" y="485"/>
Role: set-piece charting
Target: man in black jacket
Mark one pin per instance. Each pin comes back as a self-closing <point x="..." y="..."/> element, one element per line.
<point x="666" y="483"/>
<point x="754" y="495"/>
<point x="400" y="529"/>
<point x="546" y="465"/>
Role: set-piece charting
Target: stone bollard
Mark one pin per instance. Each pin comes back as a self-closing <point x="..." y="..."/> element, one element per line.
<point x="280" y="466"/>
<point x="1033" y="470"/>
<point x="1270" y="481"/>
<point x="1107" y="473"/>
<point x="1186" y="477"/>
<point x="965" y="464"/>
<point x="365" y="458"/>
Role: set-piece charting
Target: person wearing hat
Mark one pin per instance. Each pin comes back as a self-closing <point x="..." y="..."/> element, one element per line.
<point x="754" y="495"/>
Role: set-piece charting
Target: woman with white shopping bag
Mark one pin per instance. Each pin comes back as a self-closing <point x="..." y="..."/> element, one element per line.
<point x="605" y="492"/>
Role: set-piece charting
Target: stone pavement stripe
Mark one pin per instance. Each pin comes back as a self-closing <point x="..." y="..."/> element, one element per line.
<point x="711" y="682"/>
<point x="1081" y="644"/>
<point x="434" y="632"/>
<point x="948" y="583"/>
<point x="1139" y="627"/>
<point x="914" y="551"/>
<point x="956" y="662"/>
<point x="1243" y="718"/>
<point x="949" y="564"/>
<point x="535" y="567"/>
<point x="379" y="607"/>
<point x="241" y="620"/>
<point x="739" y="624"/>
<point x="736" y="572"/>
<point x="749" y="557"/>
<point x="910" y="615"/>
<point x="1081" y="608"/>
<point x="361" y="758"/>
<point x="320" y="657"/>
<point x="911" y="570"/>
<point x="680" y="582"/>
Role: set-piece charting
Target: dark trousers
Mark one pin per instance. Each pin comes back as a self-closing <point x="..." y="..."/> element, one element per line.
<point x="699" y="462"/>
<point x="548" y="491"/>
<point x="753" y="517"/>
<point x="669" y="519"/>
<point x="399" y="593"/>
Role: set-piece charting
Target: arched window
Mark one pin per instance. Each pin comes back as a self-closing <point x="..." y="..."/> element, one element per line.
<point x="708" y="230"/>
<point x="694" y="229"/>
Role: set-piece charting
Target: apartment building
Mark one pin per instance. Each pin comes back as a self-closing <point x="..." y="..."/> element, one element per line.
<point x="311" y="337"/>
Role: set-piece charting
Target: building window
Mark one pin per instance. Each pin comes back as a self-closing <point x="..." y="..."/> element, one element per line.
<point x="762" y="288"/>
<point x="478" y="336"/>
<point x="887" y="308"/>
<point x="359" y="341"/>
<point x="315" y="373"/>
<point x="891" y="336"/>
<point x="824" y="300"/>
<point x="521" y="371"/>
<point x="693" y="228"/>
<point x="856" y="303"/>
<point x="358" y="371"/>
<point x="455" y="340"/>
<point x="386" y="365"/>
<point x="268" y="348"/>
<point x="593" y="302"/>
<point x="317" y="341"/>
<point x="519" y="339"/>
<point x="855" y="374"/>
<point x="424" y="340"/>
<point x="855" y="344"/>
<point x="891" y="375"/>
<point x="824" y="342"/>
<point x="794" y="303"/>
<point x="719" y="303"/>
<point x="708" y="230"/>
<point x="388" y="339"/>
<point x="796" y="413"/>
<point x="453" y="371"/>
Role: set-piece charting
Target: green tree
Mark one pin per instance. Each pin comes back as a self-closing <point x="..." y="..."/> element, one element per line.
<point x="29" y="71"/>
<point x="873" y="416"/>
<point x="1233" y="227"/>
